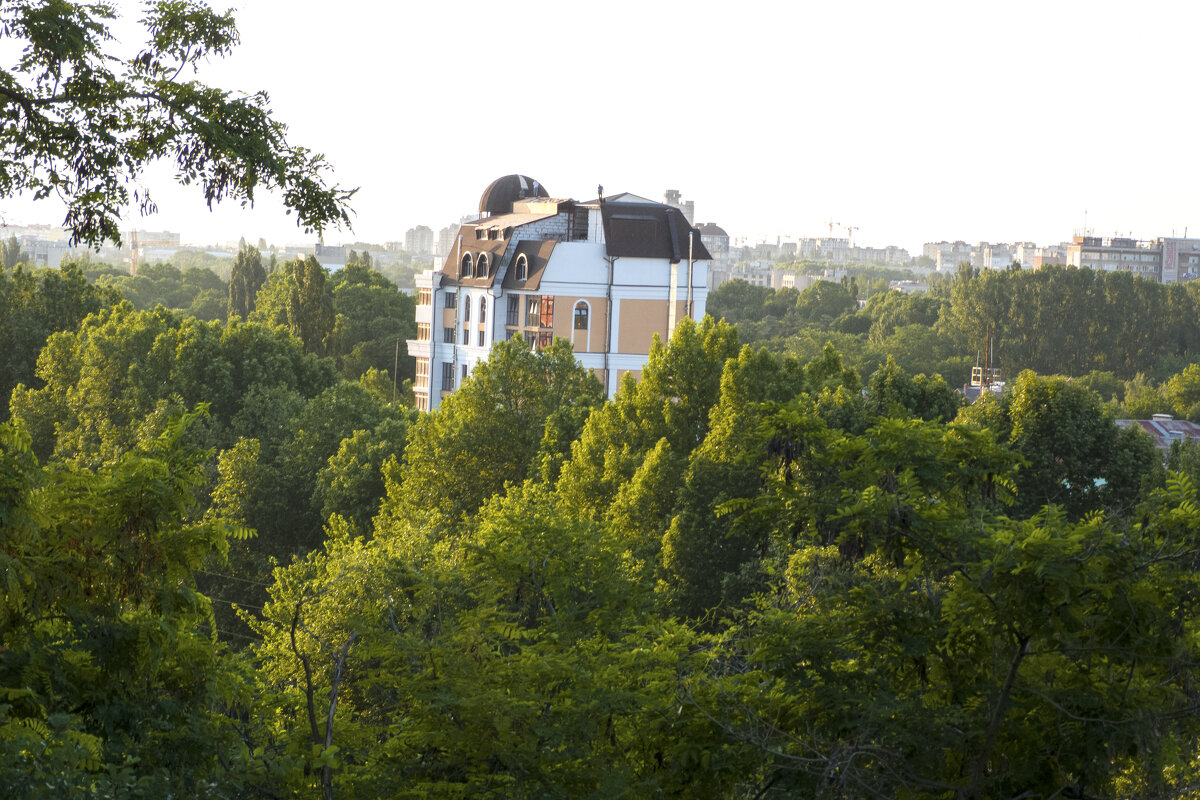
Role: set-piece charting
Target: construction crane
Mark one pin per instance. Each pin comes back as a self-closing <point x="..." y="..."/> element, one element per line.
<point x="850" y="229"/>
<point x="831" y="224"/>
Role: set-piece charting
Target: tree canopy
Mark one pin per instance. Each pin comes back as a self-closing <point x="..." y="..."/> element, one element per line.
<point x="234" y="567"/>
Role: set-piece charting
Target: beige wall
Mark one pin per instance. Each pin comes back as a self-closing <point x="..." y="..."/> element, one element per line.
<point x="564" y="323"/>
<point x="639" y="321"/>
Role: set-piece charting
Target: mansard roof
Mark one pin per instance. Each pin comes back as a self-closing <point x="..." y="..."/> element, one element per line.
<point x="645" y="230"/>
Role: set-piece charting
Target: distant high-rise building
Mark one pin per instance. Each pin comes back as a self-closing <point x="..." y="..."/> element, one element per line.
<point x="716" y="242"/>
<point x="445" y="240"/>
<point x="1166" y="260"/>
<point x="948" y="255"/>
<point x="675" y="199"/>
<point x="419" y="240"/>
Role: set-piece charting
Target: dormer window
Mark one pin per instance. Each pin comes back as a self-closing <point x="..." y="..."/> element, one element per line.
<point x="480" y="233"/>
<point x="465" y="267"/>
<point x="522" y="268"/>
<point x="481" y="269"/>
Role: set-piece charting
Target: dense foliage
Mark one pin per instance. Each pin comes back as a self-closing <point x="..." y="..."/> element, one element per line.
<point x="33" y="305"/>
<point x="235" y="568"/>
<point x="194" y="291"/>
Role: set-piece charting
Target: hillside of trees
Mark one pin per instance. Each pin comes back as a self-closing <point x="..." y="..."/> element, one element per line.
<point x="236" y="567"/>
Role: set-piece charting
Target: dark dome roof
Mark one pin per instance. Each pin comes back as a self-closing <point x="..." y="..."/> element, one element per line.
<point x="498" y="198"/>
<point x="712" y="229"/>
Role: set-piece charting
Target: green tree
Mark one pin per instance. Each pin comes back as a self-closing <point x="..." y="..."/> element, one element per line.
<point x="681" y="381"/>
<point x="81" y="121"/>
<point x="121" y="375"/>
<point x="195" y="291"/>
<point x="1077" y="457"/>
<point x="893" y="393"/>
<point x="825" y="301"/>
<point x="525" y="628"/>
<point x="11" y="253"/>
<point x="708" y="557"/>
<point x="351" y="484"/>
<point x="737" y="301"/>
<point x="1182" y="391"/>
<point x="112" y="680"/>
<point x="247" y="277"/>
<point x="33" y="305"/>
<point x="373" y="317"/>
<point x="309" y="306"/>
<point x="493" y="431"/>
<point x="930" y="659"/>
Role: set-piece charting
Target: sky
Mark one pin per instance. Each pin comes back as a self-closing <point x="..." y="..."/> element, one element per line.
<point x="912" y="122"/>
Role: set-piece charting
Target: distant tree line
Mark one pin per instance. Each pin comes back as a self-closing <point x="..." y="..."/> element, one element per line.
<point x="1054" y="320"/>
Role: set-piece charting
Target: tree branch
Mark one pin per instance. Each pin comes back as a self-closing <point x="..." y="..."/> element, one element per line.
<point x="997" y="717"/>
<point x="309" y="690"/>
<point x="327" y="770"/>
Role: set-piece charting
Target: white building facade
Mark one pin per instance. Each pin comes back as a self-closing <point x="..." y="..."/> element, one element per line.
<point x="606" y="275"/>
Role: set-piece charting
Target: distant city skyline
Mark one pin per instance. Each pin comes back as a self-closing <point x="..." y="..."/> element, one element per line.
<point x="913" y="122"/>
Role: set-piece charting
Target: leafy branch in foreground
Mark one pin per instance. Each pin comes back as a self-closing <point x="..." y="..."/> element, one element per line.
<point x="79" y="122"/>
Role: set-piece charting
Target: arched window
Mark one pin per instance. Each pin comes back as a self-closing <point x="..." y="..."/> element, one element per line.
<point x="581" y="316"/>
<point x="465" y="268"/>
<point x="467" y="311"/>
<point x="481" y="268"/>
<point x="482" y="310"/>
<point x="522" y="267"/>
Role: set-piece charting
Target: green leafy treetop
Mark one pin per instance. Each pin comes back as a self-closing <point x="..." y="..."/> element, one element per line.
<point x="81" y="122"/>
<point x="11" y="253"/>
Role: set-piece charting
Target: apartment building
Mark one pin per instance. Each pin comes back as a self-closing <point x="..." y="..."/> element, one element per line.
<point x="606" y="274"/>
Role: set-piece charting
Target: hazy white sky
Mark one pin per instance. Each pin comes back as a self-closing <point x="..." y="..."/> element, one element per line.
<point x="914" y="121"/>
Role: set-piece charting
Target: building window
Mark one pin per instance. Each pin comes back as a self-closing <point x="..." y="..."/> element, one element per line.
<point x="482" y="334"/>
<point x="424" y="297"/>
<point x="423" y="331"/>
<point x="533" y="310"/>
<point x="465" y="266"/>
<point x="547" y="311"/>
<point x="467" y="310"/>
<point x="448" y="335"/>
<point x="447" y="377"/>
<point x="481" y="268"/>
<point x="514" y="310"/>
<point x="581" y="316"/>
<point x="422" y="378"/>
<point x="464" y="372"/>
<point x="522" y="268"/>
<point x="451" y="299"/>
<point x="422" y="403"/>
<point x="544" y="339"/>
<point x="482" y="310"/>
